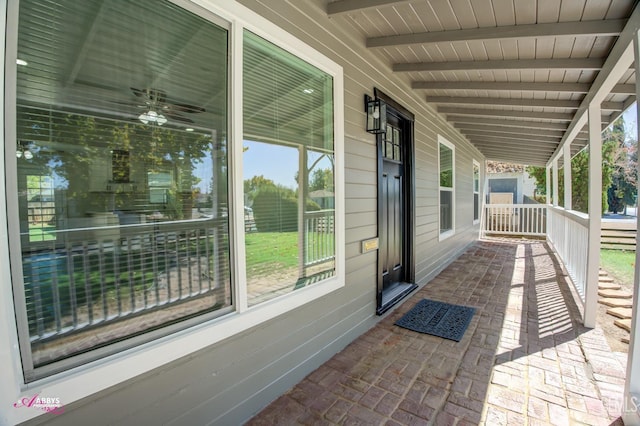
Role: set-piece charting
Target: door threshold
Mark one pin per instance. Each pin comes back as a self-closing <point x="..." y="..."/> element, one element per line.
<point x="393" y="295"/>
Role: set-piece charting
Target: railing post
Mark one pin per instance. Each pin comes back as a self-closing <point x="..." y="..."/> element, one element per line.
<point x="631" y="414"/>
<point x="595" y="215"/>
<point x="566" y="159"/>
<point x="548" y="218"/>
<point x="548" y="184"/>
<point x="555" y="200"/>
<point x="566" y="155"/>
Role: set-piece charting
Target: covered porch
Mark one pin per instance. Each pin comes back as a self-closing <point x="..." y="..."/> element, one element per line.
<point x="526" y="357"/>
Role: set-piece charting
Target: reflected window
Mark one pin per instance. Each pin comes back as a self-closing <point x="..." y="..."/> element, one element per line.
<point x="41" y="208"/>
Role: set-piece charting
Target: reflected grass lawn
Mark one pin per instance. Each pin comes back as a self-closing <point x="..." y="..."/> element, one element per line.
<point x="42" y="232"/>
<point x="271" y="250"/>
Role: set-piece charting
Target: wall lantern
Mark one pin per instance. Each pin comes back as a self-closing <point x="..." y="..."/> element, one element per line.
<point x="376" y="115"/>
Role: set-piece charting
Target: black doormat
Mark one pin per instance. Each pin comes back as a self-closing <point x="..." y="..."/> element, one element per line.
<point x="438" y="319"/>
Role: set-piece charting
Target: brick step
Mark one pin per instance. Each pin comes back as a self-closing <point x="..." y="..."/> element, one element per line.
<point x="602" y="279"/>
<point x="601" y="272"/>
<point x="609" y="286"/>
<point x="614" y="294"/>
<point x="625" y="324"/>
<point x="616" y="303"/>
<point x="622" y="313"/>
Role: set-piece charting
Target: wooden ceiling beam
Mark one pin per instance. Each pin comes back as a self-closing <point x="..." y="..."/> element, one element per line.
<point x="525" y="146"/>
<point x="592" y="64"/>
<point x="610" y="27"/>
<point x="618" y="89"/>
<point x="505" y="86"/>
<point x="544" y="103"/>
<point x="515" y="132"/>
<point x="348" y="6"/>
<point x="523" y="124"/>
<point x="553" y="116"/>
<point x="519" y="136"/>
<point x="466" y="127"/>
<point x="541" y="103"/>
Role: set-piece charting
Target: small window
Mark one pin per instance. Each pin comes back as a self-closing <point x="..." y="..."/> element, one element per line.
<point x="288" y="165"/>
<point x="446" y="169"/>
<point x="476" y="192"/>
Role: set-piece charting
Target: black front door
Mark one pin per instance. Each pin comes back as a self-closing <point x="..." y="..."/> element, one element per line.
<point x="394" y="231"/>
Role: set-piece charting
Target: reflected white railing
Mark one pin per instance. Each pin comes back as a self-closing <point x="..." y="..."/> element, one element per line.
<point x="515" y="219"/>
<point x="569" y="234"/>
<point x="86" y="277"/>
<point x="94" y="276"/>
<point x="319" y="246"/>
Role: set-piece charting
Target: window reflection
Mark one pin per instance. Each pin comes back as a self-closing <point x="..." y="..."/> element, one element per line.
<point x="288" y="172"/>
<point x="122" y="107"/>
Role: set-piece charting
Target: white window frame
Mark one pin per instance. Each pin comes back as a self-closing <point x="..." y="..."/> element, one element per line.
<point x="444" y="235"/>
<point x="476" y="192"/>
<point x="79" y="382"/>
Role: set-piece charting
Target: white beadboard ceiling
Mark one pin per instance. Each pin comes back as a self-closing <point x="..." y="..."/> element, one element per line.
<point x="514" y="76"/>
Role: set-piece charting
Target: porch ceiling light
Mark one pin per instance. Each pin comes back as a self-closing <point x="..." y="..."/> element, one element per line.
<point x="376" y="115"/>
<point x="152" y="117"/>
<point x="24" y="151"/>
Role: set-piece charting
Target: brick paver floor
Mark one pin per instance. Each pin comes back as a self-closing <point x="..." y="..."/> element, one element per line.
<point x="525" y="358"/>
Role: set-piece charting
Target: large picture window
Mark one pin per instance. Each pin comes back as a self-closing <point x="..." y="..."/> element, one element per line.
<point x="122" y="197"/>
<point x="446" y="170"/>
<point x="122" y="230"/>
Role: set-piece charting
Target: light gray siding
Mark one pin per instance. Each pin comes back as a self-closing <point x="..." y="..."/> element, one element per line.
<point x="230" y="381"/>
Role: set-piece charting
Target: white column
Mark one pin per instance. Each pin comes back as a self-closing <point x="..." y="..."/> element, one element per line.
<point x="549" y="223"/>
<point x="566" y="156"/>
<point x="548" y="182"/>
<point x="555" y="182"/>
<point x="595" y="215"/>
<point x="631" y="406"/>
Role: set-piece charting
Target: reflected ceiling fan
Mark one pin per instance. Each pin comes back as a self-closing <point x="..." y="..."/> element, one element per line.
<point x="158" y="109"/>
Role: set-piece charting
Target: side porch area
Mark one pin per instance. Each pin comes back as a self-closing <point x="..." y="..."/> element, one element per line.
<point x="526" y="357"/>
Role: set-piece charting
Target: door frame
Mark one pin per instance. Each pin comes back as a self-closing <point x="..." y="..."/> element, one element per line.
<point x="408" y="195"/>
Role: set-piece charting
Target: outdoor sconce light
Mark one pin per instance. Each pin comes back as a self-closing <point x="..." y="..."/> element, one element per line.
<point x="376" y="115"/>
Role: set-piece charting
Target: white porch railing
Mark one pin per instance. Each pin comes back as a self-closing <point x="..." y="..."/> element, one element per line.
<point x="567" y="230"/>
<point x="515" y="219"/>
<point x="569" y="234"/>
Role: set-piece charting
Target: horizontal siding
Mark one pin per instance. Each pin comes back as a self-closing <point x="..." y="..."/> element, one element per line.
<point x="232" y="380"/>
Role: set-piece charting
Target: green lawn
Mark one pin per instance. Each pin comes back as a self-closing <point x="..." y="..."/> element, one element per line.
<point x="42" y="232"/>
<point x="278" y="249"/>
<point x="619" y="264"/>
